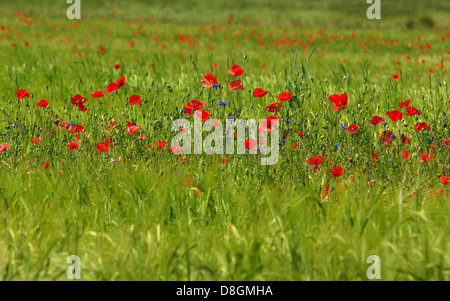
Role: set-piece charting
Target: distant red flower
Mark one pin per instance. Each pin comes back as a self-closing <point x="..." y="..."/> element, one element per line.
<point x="97" y="94"/>
<point x="405" y="140"/>
<point x="325" y="191"/>
<point x="3" y="147"/>
<point x="209" y="80"/>
<point x="250" y="143"/>
<point x="193" y="105"/>
<point x="79" y="102"/>
<point x="117" y="66"/>
<point x="352" y="128"/>
<point x="444" y="180"/>
<point x="21" y="93"/>
<point x="396" y="76"/>
<point x="121" y="81"/>
<point x="406" y="154"/>
<point x="43" y="103"/>
<point x="446" y="143"/>
<point x="274" y="107"/>
<point x="314" y="161"/>
<point x="74" y="144"/>
<point x="112" y="87"/>
<point x="235" y="70"/>
<point x="374" y="157"/>
<point x="404" y="104"/>
<point x="426" y="158"/>
<point x="75" y="129"/>
<point x="203" y="115"/>
<point x="160" y="144"/>
<point x="420" y="126"/>
<point x="134" y="99"/>
<point x="433" y="146"/>
<point x="395" y="115"/>
<point x="223" y="160"/>
<point x="285" y="96"/>
<point x="112" y="125"/>
<point x="376" y="120"/>
<point x="337" y="171"/>
<point x="104" y="146"/>
<point x="46" y="165"/>
<point x="258" y="92"/>
<point x="294" y="146"/>
<point x="340" y="101"/>
<point x="101" y="48"/>
<point x="411" y="111"/>
<point x="35" y="140"/>
<point x="266" y="124"/>
<point x="235" y="85"/>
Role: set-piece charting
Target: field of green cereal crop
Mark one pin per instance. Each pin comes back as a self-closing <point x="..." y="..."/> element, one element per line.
<point x="87" y="167"/>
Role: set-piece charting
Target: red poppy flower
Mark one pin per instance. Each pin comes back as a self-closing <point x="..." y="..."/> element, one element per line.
<point x="35" y="140"/>
<point x="209" y="80"/>
<point x="79" y="102"/>
<point x="235" y="70"/>
<point x="317" y="160"/>
<point x="97" y="94"/>
<point x="121" y="81"/>
<point x="175" y="149"/>
<point x="395" y="115"/>
<point x="420" y="126"/>
<point x="250" y="143"/>
<point x="266" y="124"/>
<point x="294" y="146"/>
<point x="396" y="76"/>
<point x="112" y="125"/>
<point x="104" y="146"/>
<point x="141" y="137"/>
<point x="285" y="96"/>
<point x="432" y="146"/>
<point x="274" y="107"/>
<point x="446" y="143"/>
<point x="325" y="191"/>
<point x="223" y="160"/>
<point x="193" y="105"/>
<point x="374" y="157"/>
<point x="406" y="154"/>
<point x="352" y="128"/>
<point x="444" y="180"/>
<point x="3" y="147"/>
<point x="134" y="99"/>
<point x="203" y="115"/>
<point x="376" y="120"/>
<point x="405" y="140"/>
<point x="426" y="158"/>
<point x="404" y="104"/>
<point x="340" y="101"/>
<point x="74" y="144"/>
<point x="160" y="144"/>
<point x="133" y="129"/>
<point x="43" y="103"/>
<point x="235" y="85"/>
<point x="46" y="165"/>
<point x="258" y="92"/>
<point x="75" y="129"/>
<point x="337" y="171"/>
<point x="112" y="87"/>
<point x="117" y="66"/>
<point x="411" y="111"/>
<point x="101" y="48"/>
<point x="21" y="93"/>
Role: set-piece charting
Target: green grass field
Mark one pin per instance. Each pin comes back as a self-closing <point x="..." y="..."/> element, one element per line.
<point x="140" y="213"/>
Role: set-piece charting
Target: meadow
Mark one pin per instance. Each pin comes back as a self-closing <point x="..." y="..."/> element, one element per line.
<point x="364" y="142"/>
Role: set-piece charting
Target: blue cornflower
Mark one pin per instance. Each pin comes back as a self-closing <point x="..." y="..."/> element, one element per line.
<point x="183" y="111"/>
<point x="392" y="136"/>
<point x="287" y="121"/>
<point x="216" y="86"/>
<point x="336" y="146"/>
<point x="385" y="123"/>
<point x="14" y="124"/>
<point x="223" y="103"/>
<point x="230" y="119"/>
<point x="344" y="127"/>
